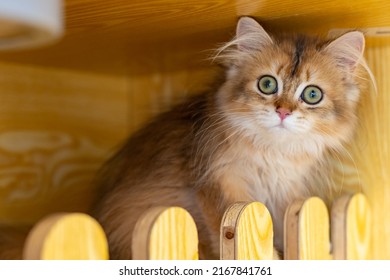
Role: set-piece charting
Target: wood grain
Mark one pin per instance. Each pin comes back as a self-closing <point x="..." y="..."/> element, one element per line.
<point x="314" y="240"/>
<point x="66" y="237"/>
<point x="247" y="232"/>
<point x="307" y="230"/>
<point x="367" y="160"/>
<point x="351" y="228"/>
<point x="291" y="230"/>
<point x="165" y="233"/>
<point x="140" y="37"/>
<point x="56" y="129"/>
<point x="339" y="236"/>
<point x="371" y="150"/>
<point x="359" y="228"/>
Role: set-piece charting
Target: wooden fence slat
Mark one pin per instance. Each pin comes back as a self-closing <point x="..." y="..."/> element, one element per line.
<point x="165" y="233"/>
<point x="63" y="236"/>
<point x="247" y="232"/>
<point x="291" y="230"/>
<point x="314" y="229"/>
<point x="307" y="230"/>
<point x="351" y="228"/>
<point x="169" y="233"/>
<point x="338" y="227"/>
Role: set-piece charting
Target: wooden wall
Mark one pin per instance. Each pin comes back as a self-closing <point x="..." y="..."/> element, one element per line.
<point x="56" y="127"/>
<point x="371" y="150"/>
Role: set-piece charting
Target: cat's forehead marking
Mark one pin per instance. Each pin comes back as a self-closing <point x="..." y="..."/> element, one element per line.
<point x="307" y="75"/>
<point x="297" y="56"/>
<point x="279" y="70"/>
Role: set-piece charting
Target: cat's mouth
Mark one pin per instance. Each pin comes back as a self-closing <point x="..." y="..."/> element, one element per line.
<point x="281" y="126"/>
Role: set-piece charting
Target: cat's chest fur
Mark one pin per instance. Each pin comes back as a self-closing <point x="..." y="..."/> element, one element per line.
<point x="263" y="176"/>
<point x="271" y="178"/>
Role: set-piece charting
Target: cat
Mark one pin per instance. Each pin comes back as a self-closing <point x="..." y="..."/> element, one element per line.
<point x="262" y="134"/>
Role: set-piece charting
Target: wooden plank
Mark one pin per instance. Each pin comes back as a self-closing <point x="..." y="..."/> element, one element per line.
<point x="307" y="230"/>
<point x="369" y="153"/>
<point x="247" y="232"/>
<point x="359" y="228"/>
<point x="228" y="231"/>
<point x="66" y="237"/>
<point x="168" y="34"/>
<point x="291" y="230"/>
<point x="314" y="240"/>
<point x="351" y="228"/>
<point x="338" y="227"/>
<point x="56" y="129"/>
<point x="165" y="233"/>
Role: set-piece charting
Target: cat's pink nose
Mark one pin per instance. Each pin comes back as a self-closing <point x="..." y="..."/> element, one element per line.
<point x="283" y="112"/>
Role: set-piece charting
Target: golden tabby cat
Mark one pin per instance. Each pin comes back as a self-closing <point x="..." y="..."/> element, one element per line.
<point x="261" y="135"/>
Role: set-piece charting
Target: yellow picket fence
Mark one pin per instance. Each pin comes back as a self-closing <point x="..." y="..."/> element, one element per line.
<point x="246" y="233"/>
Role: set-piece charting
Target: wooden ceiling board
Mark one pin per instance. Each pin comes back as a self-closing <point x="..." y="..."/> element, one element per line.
<point x="123" y="37"/>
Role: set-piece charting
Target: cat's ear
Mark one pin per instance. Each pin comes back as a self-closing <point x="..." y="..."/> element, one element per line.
<point x="250" y="35"/>
<point x="347" y="49"/>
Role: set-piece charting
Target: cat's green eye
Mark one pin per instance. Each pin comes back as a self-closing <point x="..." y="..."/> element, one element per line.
<point x="312" y="95"/>
<point x="268" y="85"/>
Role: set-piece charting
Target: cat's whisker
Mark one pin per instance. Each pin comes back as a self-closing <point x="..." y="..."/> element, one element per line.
<point x="234" y="133"/>
<point x="360" y="183"/>
<point x="340" y="187"/>
<point x="204" y="135"/>
<point x="244" y="103"/>
<point x="340" y="150"/>
<point x="215" y="135"/>
<point x="209" y="124"/>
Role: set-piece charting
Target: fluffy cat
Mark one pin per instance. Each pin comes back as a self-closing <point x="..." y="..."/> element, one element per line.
<point x="261" y="135"/>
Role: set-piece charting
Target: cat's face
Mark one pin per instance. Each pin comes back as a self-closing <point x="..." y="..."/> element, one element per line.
<point x="294" y="91"/>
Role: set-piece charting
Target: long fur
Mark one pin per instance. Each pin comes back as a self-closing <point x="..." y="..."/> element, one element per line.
<point x="229" y="144"/>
